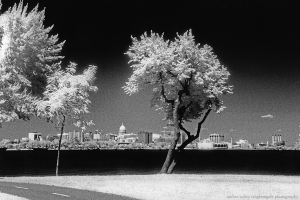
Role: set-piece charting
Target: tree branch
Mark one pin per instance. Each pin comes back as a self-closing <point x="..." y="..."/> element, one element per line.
<point x="182" y="85"/>
<point x="201" y="122"/>
<point x="183" y="109"/>
<point x="185" y="143"/>
<point x="163" y="90"/>
<point x="191" y="138"/>
<point x="169" y="72"/>
<point x="164" y="95"/>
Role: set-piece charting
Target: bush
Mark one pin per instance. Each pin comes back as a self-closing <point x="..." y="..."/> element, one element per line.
<point x="44" y="144"/>
<point x="9" y="146"/>
<point x="91" y="145"/>
<point x="5" y="142"/>
<point x="22" y="145"/>
<point x="32" y="144"/>
<point x="16" y="146"/>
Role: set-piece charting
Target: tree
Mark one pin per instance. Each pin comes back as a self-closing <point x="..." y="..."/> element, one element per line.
<point x="66" y="99"/>
<point x="28" y="56"/>
<point x="187" y="80"/>
<point x="32" y="82"/>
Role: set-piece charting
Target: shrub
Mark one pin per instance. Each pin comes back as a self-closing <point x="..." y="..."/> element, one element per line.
<point x="44" y="144"/>
<point x="22" y="145"/>
<point x="33" y="144"/>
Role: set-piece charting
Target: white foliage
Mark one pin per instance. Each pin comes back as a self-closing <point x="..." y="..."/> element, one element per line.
<point x="179" y="65"/>
<point x="28" y="55"/>
<point x="68" y="94"/>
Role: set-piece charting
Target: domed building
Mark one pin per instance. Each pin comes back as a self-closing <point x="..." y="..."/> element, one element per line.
<point x="122" y="130"/>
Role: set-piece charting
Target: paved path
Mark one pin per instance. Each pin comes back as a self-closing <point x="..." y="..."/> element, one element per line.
<point x="46" y="192"/>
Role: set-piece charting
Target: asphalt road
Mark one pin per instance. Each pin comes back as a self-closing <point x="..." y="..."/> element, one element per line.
<point x="46" y="192"/>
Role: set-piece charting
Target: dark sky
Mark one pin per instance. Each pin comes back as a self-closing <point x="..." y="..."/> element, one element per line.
<point x="258" y="41"/>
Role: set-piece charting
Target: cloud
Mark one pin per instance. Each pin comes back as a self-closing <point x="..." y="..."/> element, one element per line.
<point x="267" y="116"/>
<point x="231" y="130"/>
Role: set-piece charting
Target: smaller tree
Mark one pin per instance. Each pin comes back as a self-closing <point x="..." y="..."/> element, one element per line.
<point x="66" y="99"/>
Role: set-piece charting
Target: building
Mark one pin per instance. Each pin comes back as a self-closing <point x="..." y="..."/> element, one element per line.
<point x="130" y="135"/>
<point x="214" y="141"/>
<point x="122" y="130"/>
<point x="167" y="134"/>
<point x="131" y="140"/>
<point x="144" y="137"/>
<point x="216" y="138"/>
<point x="222" y="145"/>
<point x="35" y="136"/>
<point x="243" y="144"/>
<point x="88" y="136"/>
<point x="276" y="139"/>
<point x="205" y="144"/>
<point x="113" y="136"/>
<point x="65" y="136"/>
<point x="97" y="136"/>
<point x="155" y="136"/>
<point x="123" y="137"/>
<point x="74" y="135"/>
<point x="104" y="137"/>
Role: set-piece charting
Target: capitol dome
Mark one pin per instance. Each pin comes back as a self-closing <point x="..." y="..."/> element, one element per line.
<point x="122" y="130"/>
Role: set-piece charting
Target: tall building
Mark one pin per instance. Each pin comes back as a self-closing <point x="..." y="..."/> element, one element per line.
<point x="276" y="139"/>
<point x="144" y="137"/>
<point x="216" y="138"/>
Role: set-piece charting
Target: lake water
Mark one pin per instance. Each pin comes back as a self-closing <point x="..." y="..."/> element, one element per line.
<point x="108" y="162"/>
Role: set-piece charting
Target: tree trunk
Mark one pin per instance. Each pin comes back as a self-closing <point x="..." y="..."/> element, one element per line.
<point x="174" y="161"/>
<point x="177" y="154"/>
<point x="170" y="155"/>
<point x="59" y="144"/>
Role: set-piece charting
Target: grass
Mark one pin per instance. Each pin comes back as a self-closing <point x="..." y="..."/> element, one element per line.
<point x="180" y="186"/>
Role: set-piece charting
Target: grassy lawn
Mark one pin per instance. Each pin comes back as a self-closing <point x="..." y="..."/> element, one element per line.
<point x="180" y="186"/>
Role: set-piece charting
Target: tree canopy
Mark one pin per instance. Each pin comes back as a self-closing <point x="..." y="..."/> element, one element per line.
<point x="67" y="96"/>
<point x="28" y="56"/>
<point x="179" y="68"/>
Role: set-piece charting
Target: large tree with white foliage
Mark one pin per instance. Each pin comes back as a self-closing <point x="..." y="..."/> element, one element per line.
<point x="32" y="82"/>
<point x="66" y="99"/>
<point x="28" y="56"/>
<point x="187" y="80"/>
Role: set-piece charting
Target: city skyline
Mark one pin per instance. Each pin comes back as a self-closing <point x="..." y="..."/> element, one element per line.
<point x="168" y="129"/>
<point x="257" y="41"/>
